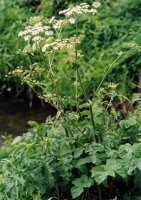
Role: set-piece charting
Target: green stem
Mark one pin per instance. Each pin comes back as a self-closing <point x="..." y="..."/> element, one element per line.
<point x="90" y="106"/>
<point x="56" y="88"/>
<point x="109" y="68"/>
<point x="105" y="75"/>
<point x="52" y="80"/>
<point x="99" y="193"/>
<point x="76" y="97"/>
<point x="76" y="127"/>
<point x="79" y="78"/>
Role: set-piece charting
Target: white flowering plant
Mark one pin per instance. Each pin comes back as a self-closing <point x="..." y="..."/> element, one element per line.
<point x="55" y="74"/>
<point x="85" y="147"/>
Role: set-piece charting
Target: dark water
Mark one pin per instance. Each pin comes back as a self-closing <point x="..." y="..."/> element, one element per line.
<point x="15" y="114"/>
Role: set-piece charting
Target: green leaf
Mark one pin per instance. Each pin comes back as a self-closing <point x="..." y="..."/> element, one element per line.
<point x="9" y="185"/>
<point x="84" y="105"/>
<point x="83" y="161"/>
<point x="17" y="139"/>
<point x="119" y="167"/>
<point x="83" y="181"/>
<point x="129" y="122"/>
<point x="76" y="191"/>
<point x="78" y="152"/>
<point x="139" y="164"/>
<point x="100" y="173"/>
<point x="137" y="149"/>
<point x="79" y="184"/>
<point x="85" y="112"/>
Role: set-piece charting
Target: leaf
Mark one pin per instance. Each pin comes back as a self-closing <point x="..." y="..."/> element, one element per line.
<point x="78" y="152"/>
<point x="17" y="139"/>
<point x="83" y="181"/>
<point x="129" y="122"/>
<point x="119" y="167"/>
<point x="100" y="173"/>
<point x="137" y="149"/>
<point x="84" y="105"/>
<point x="79" y="184"/>
<point x="85" y="112"/>
<point x="9" y="185"/>
<point x="76" y="191"/>
<point x="139" y="164"/>
<point x="83" y="161"/>
<point x="19" y="179"/>
<point x="126" y="147"/>
<point x="122" y="172"/>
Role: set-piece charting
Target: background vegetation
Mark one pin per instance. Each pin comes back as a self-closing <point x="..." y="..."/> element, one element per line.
<point x="116" y="24"/>
<point x="87" y="151"/>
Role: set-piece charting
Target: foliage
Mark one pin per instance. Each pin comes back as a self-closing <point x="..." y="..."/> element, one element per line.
<point x="14" y="15"/>
<point x="45" y="162"/>
<point x="106" y="36"/>
<point x="87" y="146"/>
<point x="110" y="32"/>
<point x="12" y="19"/>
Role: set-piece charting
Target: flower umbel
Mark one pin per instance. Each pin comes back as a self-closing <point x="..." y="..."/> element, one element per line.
<point x="83" y="8"/>
<point x="96" y="4"/>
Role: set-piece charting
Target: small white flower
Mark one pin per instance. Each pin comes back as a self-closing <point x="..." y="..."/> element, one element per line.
<point x="83" y="4"/>
<point x="36" y="38"/>
<point x="80" y="9"/>
<point x="72" y="20"/>
<point x="96" y="4"/>
<point x="64" y="11"/>
<point x="93" y="11"/>
<point x="58" y="24"/>
<point x="27" y="49"/>
<point x="55" y="48"/>
<point x="44" y="48"/>
<point x="35" y="46"/>
<point x="48" y="33"/>
<point x="27" y="37"/>
<point x="22" y="33"/>
<point x="51" y="19"/>
<point x="46" y="28"/>
<point x="35" y="32"/>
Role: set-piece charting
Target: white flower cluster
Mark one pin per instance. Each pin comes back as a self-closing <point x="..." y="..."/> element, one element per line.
<point x="56" y="24"/>
<point x="34" y="32"/>
<point x="42" y="34"/>
<point x="83" y="8"/>
<point x="43" y="37"/>
<point x="72" y="20"/>
<point x="96" y="4"/>
<point x="61" y="44"/>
